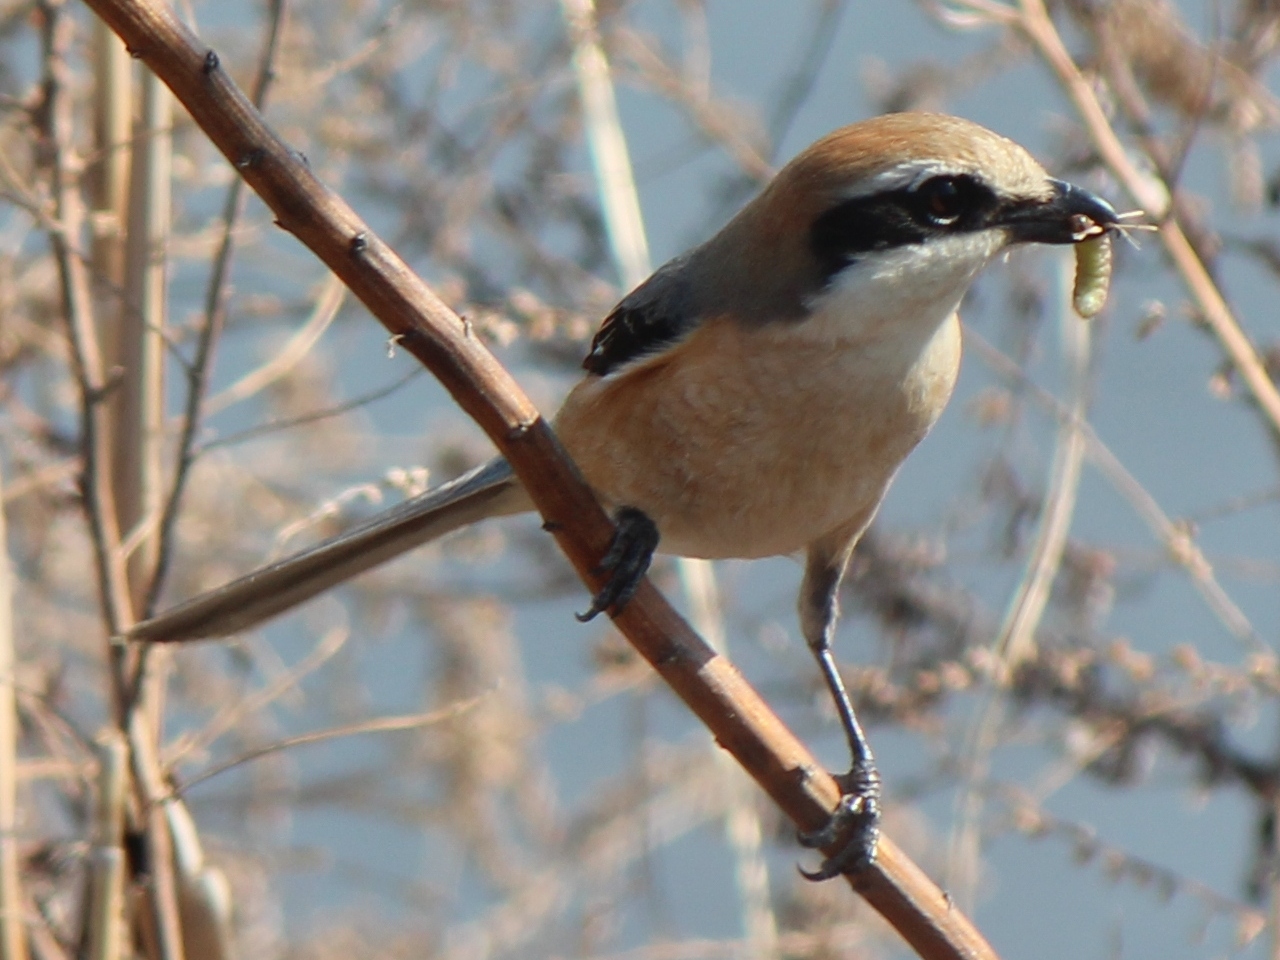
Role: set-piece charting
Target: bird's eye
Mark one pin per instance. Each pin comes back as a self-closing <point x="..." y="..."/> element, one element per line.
<point x="942" y="200"/>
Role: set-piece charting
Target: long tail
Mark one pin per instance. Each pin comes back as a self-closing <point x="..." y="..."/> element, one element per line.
<point x="488" y="491"/>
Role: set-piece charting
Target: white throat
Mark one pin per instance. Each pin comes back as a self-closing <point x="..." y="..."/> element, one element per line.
<point x="883" y="297"/>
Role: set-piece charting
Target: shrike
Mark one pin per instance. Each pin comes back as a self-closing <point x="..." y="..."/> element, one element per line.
<point x="757" y="394"/>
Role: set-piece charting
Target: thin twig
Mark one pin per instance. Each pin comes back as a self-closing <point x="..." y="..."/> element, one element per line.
<point x="411" y="721"/>
<point x="1178" y="542"/>
<point x="328" y="645"/>
<point x="316" y="416"/>
<point x="328" y="302"/>
<point x="799" y="86"/>
<point x="215" y="314"/>
<point x="716" y="692"/>
<point x="1035" y="23"/>
<point x="1016" y="640"/>
<point x="86" y="356"/>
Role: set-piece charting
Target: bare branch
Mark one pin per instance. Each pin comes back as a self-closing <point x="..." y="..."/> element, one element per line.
<point x="717" y="693"/>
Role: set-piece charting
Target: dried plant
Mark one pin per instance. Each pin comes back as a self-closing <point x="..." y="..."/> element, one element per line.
<point x="435" y="760"/>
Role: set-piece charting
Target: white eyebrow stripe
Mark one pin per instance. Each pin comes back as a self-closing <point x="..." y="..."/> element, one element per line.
<point x="903" y="176"/>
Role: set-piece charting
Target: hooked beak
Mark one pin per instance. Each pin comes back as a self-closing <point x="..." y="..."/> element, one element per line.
<point x="1069" y="215"/>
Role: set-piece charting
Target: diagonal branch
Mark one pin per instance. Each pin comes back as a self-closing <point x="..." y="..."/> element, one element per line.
<point x="421" y="323"/>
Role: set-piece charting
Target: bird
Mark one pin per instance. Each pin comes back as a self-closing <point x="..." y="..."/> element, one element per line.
<point x="756" y="395"/>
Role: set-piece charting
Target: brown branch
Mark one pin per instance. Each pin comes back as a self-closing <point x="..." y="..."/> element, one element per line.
<point x="741" y="722"/>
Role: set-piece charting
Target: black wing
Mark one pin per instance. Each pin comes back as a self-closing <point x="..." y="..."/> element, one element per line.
<point x="657" y="313"/>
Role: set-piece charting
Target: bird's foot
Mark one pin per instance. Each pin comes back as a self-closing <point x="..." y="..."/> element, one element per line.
<point x="855" y="825"/>
<point x="626" y="561"/>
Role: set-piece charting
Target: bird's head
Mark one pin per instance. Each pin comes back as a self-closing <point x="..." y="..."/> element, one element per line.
<point x="897" y="214"/>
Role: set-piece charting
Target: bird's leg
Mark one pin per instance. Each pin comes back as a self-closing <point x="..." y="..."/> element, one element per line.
<point x="857" y="819"/>
<point x="626" y="561"/>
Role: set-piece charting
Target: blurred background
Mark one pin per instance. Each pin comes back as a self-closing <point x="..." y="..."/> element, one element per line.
<point x="1061" y="629"/>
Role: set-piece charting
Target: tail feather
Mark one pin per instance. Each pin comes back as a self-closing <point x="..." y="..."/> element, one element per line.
<point x="488" y="491"/>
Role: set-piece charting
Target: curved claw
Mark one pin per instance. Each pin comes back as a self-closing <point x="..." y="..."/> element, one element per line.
<point x="626" y="561"/>
<point x="856" y="819"/>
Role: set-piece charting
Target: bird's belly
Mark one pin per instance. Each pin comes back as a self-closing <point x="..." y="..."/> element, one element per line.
<point x="747" y="448"/>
